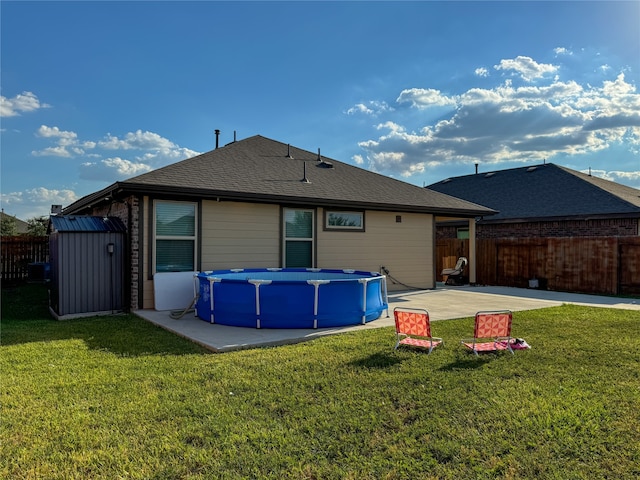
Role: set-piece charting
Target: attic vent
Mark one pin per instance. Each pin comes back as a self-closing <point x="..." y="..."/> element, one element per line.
<point x="446" y="180"/>
<point x="324" y="164"/>
<point x="490" y="174"/>
<point x="531" y="169"/>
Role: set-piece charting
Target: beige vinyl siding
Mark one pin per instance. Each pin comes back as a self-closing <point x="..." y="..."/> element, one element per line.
<point x="240" y="235"/>
<point x="405" y="248"/>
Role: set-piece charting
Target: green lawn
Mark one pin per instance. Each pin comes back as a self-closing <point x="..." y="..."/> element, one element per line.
<point x="116" y="398"/>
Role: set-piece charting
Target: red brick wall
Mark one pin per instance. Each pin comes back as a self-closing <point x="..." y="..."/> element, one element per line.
<point x="618" y="227"/>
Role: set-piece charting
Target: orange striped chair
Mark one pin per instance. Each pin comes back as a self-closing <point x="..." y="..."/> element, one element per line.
<point x="413" y="329"/>
<point x="492" y="332"/>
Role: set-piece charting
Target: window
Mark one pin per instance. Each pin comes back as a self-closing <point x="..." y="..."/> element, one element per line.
<point x="175" y="237"/>
<point x="342" y="220"/>
<point x="298" y="238"/>
<point x="462" y="233"/>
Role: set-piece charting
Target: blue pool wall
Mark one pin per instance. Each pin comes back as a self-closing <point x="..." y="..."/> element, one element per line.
<point x="228" y="297"/>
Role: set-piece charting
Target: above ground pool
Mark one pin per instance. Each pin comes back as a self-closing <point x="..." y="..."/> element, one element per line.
<point x="290" y="298"/>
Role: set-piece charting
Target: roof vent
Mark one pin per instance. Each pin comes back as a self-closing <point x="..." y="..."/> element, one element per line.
<point x="531" y="169"/>
<point x="446" y="180"/>
<point x="324" y="164"/>
<point x="319" y="157"/>
<point x="490" y="174"/>
<point x="304" y="174"/>
<point x="289" y="151"/>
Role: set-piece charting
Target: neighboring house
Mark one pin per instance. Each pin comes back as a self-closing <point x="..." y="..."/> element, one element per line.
<point x="544" y="201"/>
<point x="22" y="227"/>
<point x="262" y="203"/>
<point x="570" y="230"/>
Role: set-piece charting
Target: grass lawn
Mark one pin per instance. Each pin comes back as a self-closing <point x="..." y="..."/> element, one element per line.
<point x="117" y="398"/>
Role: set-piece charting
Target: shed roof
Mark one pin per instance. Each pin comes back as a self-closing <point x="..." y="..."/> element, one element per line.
<point x="86" y="223"/>
<point x="542" y="192"/>
<point x="258" y="169"/>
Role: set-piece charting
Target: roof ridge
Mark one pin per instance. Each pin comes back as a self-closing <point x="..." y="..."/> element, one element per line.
<point x="600" y="183"/>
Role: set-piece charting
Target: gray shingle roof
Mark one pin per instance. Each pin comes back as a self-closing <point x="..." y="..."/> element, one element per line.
<point x="259" y="169"/>
<point x="543" y="191"/>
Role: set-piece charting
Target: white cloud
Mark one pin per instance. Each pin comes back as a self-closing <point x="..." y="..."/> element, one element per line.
<point x="506" y="123"/>
<point x="371" y="108"/>
<point x="425" y="98"/>
<point x="112" y="169"/>
<point x="359" y="108"/>
<point x="137" y="140"/>
<point x="152" y="150"/>
<point x="67" y="143"/>
<point x="54" y="132"/>
<point x="24" y="102"/>
<point x="37" y="201"/>
<point x="562" y="51"/>
<point x="58" y="151"/>
<point x="627" y="178"/>
<point x="526" y="67"/>
<point x="482" y="72"/>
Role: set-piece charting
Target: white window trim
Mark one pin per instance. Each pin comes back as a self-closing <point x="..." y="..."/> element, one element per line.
<point x="344" y="227"/>
<point x="193" y="237"/>
<point x="286" y="239"/>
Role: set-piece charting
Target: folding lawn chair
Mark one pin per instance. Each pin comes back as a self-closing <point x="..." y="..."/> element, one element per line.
<point x="414" y="329"/>
<point x="492" y="332"/>
<point x="455" y="275"/>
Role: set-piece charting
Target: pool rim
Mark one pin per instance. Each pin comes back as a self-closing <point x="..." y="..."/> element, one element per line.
<point x="363" y="277"/>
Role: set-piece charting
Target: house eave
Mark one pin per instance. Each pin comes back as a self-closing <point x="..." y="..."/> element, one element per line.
<point x="124" y="188"/>
<point x="89" y="201"/>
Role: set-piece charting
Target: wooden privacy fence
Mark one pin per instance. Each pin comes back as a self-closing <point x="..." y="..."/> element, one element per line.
<point x="18" y="252"/>
<point x="596" y="265"/>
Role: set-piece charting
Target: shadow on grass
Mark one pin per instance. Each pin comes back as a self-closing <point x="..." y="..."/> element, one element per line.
<point x="377" y="360"/>
<point x="468" y="361"/>
<point x="26" y="319"/>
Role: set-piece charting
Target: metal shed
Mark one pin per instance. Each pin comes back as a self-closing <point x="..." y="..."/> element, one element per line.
<point x="87" y="256"/>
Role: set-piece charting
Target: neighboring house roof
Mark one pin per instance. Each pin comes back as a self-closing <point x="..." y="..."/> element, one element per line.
<point x="21" y="225"/>
<point x="85" y="223"/>
<point x="259" y="169"/>
<point x="543" y="192"/>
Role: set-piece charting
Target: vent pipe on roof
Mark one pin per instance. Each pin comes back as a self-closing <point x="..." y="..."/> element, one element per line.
<point x="234" y="135"/>
<point x="217" y="132"/>
<point x="476" y="167"/>
<point x="319" y="157"/>
<point x="304" y="174"/>
<point x="289" y="151"/>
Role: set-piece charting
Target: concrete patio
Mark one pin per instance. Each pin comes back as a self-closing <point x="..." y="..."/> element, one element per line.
<point x="442" y="303"/>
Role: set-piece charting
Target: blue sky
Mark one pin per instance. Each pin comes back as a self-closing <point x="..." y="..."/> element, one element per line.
<point x="95" y="92"/>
